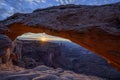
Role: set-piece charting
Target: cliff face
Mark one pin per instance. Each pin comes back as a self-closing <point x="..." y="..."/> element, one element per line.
<point x="34" y="53"/>
<point x="94" y="27"/>
<point x="5" y="48"/>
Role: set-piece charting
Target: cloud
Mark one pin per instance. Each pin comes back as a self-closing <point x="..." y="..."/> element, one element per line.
<point x="65" y="1"/>
<point x="9" y="7"/>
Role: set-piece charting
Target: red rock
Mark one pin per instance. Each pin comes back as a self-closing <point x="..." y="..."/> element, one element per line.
<point x="94" y="27"/>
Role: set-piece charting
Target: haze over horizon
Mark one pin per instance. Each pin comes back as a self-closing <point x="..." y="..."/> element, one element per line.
<point x="41" y="37"/>
<point x="9" y="7"/>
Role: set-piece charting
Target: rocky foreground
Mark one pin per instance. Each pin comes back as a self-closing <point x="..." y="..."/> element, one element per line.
<point x="44" y="73"/>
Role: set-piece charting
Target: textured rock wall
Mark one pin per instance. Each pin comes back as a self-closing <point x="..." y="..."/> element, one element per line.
<point x="33" y="53"/>
<point x="45" y="73"/>
<point x="96" y="40"/>
<point x="5" y="48"/>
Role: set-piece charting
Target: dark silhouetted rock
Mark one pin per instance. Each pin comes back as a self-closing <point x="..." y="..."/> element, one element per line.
<point x="45" y="73"/>
<point x="3" y="29"/>
<point x="5" y="48"/>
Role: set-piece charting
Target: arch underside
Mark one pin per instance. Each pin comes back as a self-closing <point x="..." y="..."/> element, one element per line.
<point x="95" y="39"/>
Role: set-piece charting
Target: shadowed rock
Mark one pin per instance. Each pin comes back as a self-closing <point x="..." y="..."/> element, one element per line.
<point x="45" y="73"/>
<point x="32" y="53"/>
<point x="4" y="30"/>
<point x="5" y="48"/>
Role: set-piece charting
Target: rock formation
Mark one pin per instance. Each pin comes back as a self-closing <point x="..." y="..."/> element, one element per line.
<point x="94" y="27"/>
<point x="45" y="73"/>
<point x="5" y="48"/>
<point x="33" y="53"/>
<point x="58" y="54"/>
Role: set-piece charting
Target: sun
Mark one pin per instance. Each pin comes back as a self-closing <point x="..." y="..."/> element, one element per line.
<point x="43" y="39"/>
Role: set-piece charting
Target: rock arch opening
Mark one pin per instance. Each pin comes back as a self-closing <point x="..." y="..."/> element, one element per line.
<point x="58" y="52"/>
<point x="94" y="39"/>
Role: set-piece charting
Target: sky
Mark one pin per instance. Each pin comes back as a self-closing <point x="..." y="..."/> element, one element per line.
<point x="9" y="7"/>
<point x="41" y="37"/>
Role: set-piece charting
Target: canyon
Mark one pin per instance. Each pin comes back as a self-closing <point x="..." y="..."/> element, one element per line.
<point x="57" y="52"/>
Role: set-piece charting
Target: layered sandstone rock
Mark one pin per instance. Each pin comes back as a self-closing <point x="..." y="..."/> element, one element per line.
<point x="53" y="52"/>
<point x="3" y="30"/>
<point x="9" y="71"/>
<point x="33" y="53"/>
<point x="5" y="48"/>
<point x="94" y="27"/>
<point x="45" y="73"/>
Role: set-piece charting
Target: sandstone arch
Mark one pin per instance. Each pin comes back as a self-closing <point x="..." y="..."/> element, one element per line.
<point x="94" y="27"/>
<point x="106" y="45"/>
